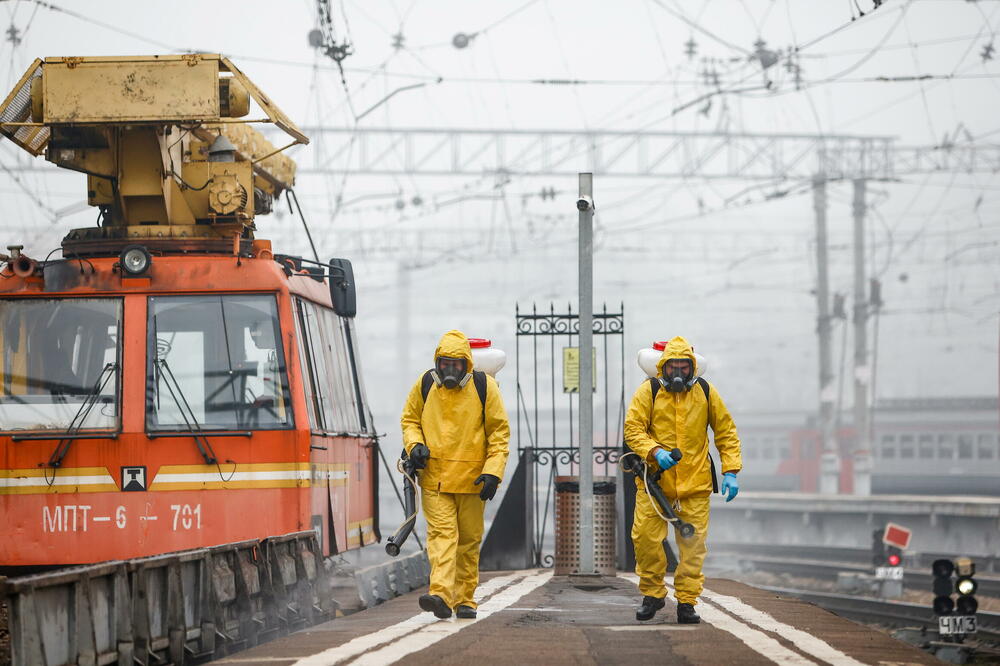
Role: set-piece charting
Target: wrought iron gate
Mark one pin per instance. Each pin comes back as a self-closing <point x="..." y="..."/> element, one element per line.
<point x="546" y="425"/>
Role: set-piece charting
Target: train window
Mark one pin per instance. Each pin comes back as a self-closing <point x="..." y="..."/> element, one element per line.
<point x="808" y="448"/>
<point x="907" y="448"/>
<point x="364" y="414"/>
<point x="311" y="377"/>
<point x="217" y="360"/>
<point x="60" y="358"/>
<point x="926" y="446"/>
<point x="965" y="447"/>
<point x="987" y="445"/>
<point x="888" y="446"/>
<point x="767" y="453"/>
<point x="334" y="385"/>
<point x="946" y="447"/>
<point x="784" y="453"/>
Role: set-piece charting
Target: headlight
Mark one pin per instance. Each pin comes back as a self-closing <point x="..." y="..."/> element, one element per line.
<point x="135" y="260"/>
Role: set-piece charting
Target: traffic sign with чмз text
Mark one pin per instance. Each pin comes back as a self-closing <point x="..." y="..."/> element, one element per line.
<point x="950" y="625"/>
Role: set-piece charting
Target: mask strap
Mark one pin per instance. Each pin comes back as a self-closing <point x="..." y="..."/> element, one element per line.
<point x="436" y="377"/>
<point x="465" y="379"/>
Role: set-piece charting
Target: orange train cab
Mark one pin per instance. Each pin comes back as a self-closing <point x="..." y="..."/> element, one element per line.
<point x="210" y="400"/>
<point x="169" y="383"/>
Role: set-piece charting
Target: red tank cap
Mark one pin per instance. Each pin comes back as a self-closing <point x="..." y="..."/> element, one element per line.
<point x="479" y="343"/>
<point x="660" y="346"/>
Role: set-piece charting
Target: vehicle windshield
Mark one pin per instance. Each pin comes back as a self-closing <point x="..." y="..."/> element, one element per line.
<point x="219" y="360"/>
<point x="55" y="352"/>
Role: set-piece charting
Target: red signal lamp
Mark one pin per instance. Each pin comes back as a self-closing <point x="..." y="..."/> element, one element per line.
<point x="894" y="560"/>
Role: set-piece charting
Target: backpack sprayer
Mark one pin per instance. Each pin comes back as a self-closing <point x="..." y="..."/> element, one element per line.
<point x="633" y="462"/>
<point x="396" y="541"/>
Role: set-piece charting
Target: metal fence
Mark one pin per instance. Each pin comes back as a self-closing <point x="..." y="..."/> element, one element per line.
<point x="547" y="408"/>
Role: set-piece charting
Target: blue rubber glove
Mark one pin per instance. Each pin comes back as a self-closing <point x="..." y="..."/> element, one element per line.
<point x="730" y="486"/>
<point x="664" y="460"/>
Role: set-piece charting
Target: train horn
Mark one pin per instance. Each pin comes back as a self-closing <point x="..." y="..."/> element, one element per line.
<point x="23" y="266"/>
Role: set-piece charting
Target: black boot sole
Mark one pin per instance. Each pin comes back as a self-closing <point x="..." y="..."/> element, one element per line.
<point x="434" y="604"/>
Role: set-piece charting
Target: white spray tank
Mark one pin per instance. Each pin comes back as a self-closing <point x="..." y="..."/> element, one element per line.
<point x="486" y="357"/>
<point x="650" y="356"/>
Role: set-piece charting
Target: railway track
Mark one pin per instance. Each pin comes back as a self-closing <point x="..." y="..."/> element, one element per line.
<point x="892" y="613"/>
<point x="824" y="563"/>
<point x="912" y="579"/>
<point x="985" y="564"/>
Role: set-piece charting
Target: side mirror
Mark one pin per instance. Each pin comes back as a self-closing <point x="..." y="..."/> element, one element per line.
<point x="342" y="291"/>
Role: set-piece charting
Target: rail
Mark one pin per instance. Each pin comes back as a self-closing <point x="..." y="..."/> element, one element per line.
<point x="881" y="611"/>
<point x="826" y="570"/>
<point x="984" y="563"/>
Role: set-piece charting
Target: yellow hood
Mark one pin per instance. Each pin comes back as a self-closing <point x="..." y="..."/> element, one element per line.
<point x="454" y="344"/>
<point x="466" y="436"/>
<point x="677" y="348"/>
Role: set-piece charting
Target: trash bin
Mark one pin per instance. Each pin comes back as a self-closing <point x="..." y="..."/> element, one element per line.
<point x="567" y="506"/>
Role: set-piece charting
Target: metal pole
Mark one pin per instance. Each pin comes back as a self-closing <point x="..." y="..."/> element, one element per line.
<point x="585" y="205"/>
<point x="862" y="372"/>
<point x="829" y="480"/>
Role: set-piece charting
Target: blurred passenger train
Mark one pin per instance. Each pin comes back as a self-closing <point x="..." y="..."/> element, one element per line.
<point x="932" y="446"/>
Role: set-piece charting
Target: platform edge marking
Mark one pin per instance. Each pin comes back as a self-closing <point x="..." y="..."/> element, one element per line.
<point x="433" y="633"/>
<point x="756" y="640"/>
<point x="362" y="644"/>
<point x="803" y="640"/>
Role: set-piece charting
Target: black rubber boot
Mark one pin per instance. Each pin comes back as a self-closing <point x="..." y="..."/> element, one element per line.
<point x="648" y="608"/>
<point x="465" y="613"/>
<point x="686" y="614"/>
<point x="432" y="603"/>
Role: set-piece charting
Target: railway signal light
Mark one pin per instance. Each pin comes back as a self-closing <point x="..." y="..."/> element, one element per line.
<point x="885" y="554"/>
<point x="878" y="548"/>
<point x="942" y="571"/>
<point x="955" y="621"/>
<point x="966" y="586"/>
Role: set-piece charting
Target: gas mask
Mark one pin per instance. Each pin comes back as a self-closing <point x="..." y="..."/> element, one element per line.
<point x="451" y="372"/>
<point x="676" y="379"/>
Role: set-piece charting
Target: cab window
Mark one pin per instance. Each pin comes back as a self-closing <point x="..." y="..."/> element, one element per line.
<point x="334" y="392"/>
<point x="216" y="362"/>
<point x="60" y="363"/>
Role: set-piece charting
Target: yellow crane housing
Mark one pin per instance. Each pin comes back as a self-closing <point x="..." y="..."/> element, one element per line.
<point x="170" y="158"/>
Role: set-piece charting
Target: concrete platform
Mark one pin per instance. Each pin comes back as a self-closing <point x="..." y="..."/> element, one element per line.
<point x="531" y="617"/>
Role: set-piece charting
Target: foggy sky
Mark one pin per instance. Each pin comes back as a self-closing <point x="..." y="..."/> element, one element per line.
<point x="736" y="279"/>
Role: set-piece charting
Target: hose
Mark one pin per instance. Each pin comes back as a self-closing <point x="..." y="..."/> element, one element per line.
<point x="685" y="529"/>
<point x="396" y="541"/>
<point x="645" y="481"/>
<point x="413" y="484"/>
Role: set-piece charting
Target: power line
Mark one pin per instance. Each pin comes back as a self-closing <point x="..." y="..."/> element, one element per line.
<point x="695" y="26"/>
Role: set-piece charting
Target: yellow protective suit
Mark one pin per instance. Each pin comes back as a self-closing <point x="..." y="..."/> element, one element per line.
<point x="466" y="439"/>
<point x="677" y="420"/>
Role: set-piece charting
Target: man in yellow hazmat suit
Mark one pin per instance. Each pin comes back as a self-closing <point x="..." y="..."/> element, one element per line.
<point x="674" y="410"/>
<point x="455" y="430"/>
